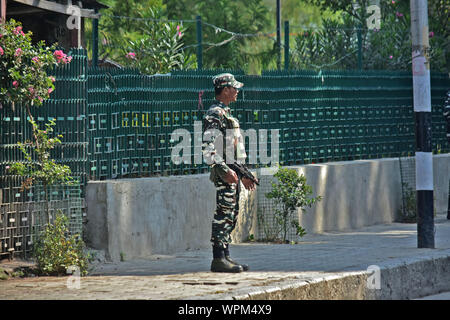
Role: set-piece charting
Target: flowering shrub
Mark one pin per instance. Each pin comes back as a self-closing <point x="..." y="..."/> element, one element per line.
<point x="24" y="80"/>
<point x="150" y="46"/>
<point x="24" y="66"/>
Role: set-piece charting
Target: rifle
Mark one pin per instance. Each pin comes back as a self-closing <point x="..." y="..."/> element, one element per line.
<point x="242" y="171"/>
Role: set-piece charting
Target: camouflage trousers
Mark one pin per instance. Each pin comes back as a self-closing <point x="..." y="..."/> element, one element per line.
<point x="227" y="210"/>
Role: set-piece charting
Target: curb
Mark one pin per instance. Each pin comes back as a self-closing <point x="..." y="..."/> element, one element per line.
<point x="399" y="280"/>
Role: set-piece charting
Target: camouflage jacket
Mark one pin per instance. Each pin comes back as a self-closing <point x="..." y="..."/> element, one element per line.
<point x="221" y="138"/>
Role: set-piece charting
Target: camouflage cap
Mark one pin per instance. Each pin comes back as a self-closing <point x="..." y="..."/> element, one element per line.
<point x="226" y="80"/>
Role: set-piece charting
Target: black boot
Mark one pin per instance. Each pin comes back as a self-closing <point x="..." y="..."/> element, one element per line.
<point x="227" y="256"/>
<point x="220" y="264"/>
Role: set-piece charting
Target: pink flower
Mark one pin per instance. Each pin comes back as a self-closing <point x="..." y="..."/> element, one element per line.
<point x="52" y="78"/>
<point x="66" y="59"/>
<point x="59" y="54"/>
<point x="393" y="2"/>
<point x="179" y="34"/>
<point x="35" y="59"/>
<point x="17" y="31"/>
<point x="431" y="34"/>
<point x="178" y="28"/>
<point x="50" y="90"/>
<point x="31" y="90"/>
<point x="131" y="55"/>
<point x="18" y="52"/>
<point x="399" y="14"/>
<point x="390" y="57"/>
<point x="40" y="99"/>
<point x="7" y="167"/>
<point x="1" y="51"/>
<point x="15" y="84"/>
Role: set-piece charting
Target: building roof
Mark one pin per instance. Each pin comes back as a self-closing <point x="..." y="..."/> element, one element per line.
<point x="93" y="4"/>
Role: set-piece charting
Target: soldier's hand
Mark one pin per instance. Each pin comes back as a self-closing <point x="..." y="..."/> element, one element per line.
<point x="248" y="184"/>
<point x="231" y="177"/>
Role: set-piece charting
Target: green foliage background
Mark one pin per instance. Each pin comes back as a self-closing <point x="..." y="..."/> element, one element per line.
<point x="322" y="32"/>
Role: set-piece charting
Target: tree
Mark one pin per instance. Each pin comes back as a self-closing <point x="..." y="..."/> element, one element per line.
<point x="229" y="46"/>
<point x="386" y="48"/>
<point x="137" y="34"/>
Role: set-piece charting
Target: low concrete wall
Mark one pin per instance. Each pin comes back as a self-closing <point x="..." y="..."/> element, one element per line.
<point x="364" y="192"/>
<point x="131" y="218"/>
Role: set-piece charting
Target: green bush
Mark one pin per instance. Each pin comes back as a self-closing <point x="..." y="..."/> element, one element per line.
<point x="55" y="250"/>
<point x="290" y="193"/>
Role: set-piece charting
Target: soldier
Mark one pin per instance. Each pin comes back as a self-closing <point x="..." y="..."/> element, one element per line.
<point x="221" y="132"/>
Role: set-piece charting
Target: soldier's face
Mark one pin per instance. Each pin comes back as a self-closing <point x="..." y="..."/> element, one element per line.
<point x="232" y="93"/>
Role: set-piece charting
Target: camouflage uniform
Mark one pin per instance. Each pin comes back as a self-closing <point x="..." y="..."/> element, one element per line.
<point x="218" y="119"/>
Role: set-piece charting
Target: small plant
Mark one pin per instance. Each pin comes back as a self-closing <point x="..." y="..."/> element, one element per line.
<point x="290" y="193"/>
<point x="270" y="232"/>
<point x="55" y="250"/>
<point x="407" y="211"/>
<point x="251" y="238"/>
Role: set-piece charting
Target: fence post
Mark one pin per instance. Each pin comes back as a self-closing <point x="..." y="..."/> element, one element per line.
<point x="199" y="43"/>
<point x="286" y="45"/>
<point x="359" y="47"/>
<point x="278" y="35"/>
<point x="95" y="40"/>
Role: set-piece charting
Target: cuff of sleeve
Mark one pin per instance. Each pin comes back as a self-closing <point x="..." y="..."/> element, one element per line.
<point x="222" y="170"/>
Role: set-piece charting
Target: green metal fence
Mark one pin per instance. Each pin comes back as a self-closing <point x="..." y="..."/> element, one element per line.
<point x="118" y="123"/>
<point x="321" y="116"/>
<point x="22" y="222"/>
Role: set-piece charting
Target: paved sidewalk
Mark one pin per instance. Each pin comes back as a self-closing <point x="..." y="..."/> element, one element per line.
<point x="186" y="275"/>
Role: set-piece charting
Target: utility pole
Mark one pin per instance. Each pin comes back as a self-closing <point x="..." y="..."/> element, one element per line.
<point x="3" y="11"/>
<point x="95" y="40"/>
<point x="279" y="34"/>
<point x="422" y="112"/>
<point x="199" y="43"/>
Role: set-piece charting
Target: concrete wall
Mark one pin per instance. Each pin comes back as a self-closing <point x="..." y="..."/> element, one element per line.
<point x="164" y="215"/>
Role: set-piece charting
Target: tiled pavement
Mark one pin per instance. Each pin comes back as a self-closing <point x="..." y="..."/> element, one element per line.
<point x="186" y="275"/>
